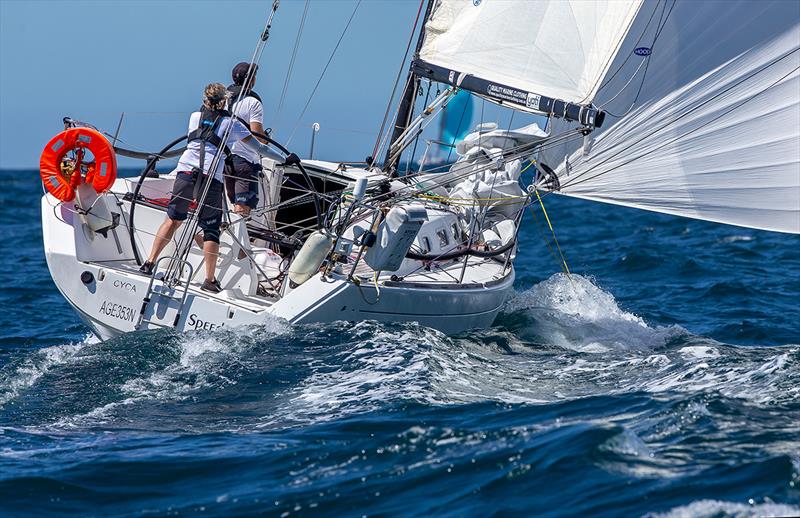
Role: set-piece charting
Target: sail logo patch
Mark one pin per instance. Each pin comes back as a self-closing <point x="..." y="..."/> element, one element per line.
<point x="532" y="101"/>
<point x="642" y="51"/>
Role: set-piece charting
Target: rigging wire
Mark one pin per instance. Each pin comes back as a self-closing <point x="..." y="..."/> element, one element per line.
<point x="324" y="70"/>
<point x="291" y="62"/>
<point x="460" y="122"/>
<point x="384" y="139"/>
<point x="611" y="57"/>
<point x="189" y="230"/>
<point x="509" y="154"/>
<point x="544" y="237"/>
<point x="397" y="80"/>
<point x="608" y="78"/>
<point x="661" y="25"/>
<point x="416" y="140"/>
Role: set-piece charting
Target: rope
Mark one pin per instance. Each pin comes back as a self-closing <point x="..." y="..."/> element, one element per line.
<point x="457" y="201"/>
<point x="543" y="236"/>
<point x="552" y="231"/>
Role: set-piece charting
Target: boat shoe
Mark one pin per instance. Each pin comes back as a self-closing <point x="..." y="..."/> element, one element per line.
<point x="212" y="286"/>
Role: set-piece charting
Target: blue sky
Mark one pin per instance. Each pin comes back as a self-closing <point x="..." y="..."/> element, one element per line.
<point x="93" y="60"/>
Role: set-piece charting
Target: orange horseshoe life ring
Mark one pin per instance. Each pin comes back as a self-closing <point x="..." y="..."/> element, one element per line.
<point x="60" y="181"/>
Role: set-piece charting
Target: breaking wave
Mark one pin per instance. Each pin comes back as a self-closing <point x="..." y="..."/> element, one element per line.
<point x="567" y="382"/>
<point x="565" y="338"/>
<point x="715" y="508"/>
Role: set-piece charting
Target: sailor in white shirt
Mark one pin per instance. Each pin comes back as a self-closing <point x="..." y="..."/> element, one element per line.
<point x="241" y="179"/>
<point x="206" y="129"/>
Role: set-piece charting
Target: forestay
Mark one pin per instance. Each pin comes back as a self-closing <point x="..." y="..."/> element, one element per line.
<point x="555" y="48"/>
<point x="704" y="98"/>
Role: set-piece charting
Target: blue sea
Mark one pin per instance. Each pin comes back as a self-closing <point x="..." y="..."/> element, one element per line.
<point x="662" y="378"/>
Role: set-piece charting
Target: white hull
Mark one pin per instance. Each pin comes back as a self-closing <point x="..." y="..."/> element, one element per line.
<point x="111" y="303"/>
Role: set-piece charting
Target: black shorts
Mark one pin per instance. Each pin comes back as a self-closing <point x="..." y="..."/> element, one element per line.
<point x="241" y="182"/>
<point x="210" y="217"/>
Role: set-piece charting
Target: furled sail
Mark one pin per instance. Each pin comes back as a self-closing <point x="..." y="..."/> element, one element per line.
<point x="525" y="52"/>
<point x="703" y="104"/>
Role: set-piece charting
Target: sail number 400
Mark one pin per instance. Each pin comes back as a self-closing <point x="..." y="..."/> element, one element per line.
<point x="119" y="311"/>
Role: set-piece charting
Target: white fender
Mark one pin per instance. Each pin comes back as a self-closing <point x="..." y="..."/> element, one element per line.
<point x="310" y="257"/>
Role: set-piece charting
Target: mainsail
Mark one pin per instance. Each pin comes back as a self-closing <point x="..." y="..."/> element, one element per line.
<point x="703" y="116"/>
<point x="523" y="52"/>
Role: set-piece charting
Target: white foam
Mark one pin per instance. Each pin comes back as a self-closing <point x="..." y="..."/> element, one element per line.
<point x="714" y="508"/>
<point x="202" y="360"/>
<point x="755" y="380"/>
<point x="572" y="312"/>
<point x="37" y="365"/>
<point x="384" y="366"/>
<point x="736" y="238"/>
<point x="699" y="351"/>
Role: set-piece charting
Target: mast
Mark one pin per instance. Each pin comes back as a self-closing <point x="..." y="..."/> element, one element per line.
<point x="406" y="108"/>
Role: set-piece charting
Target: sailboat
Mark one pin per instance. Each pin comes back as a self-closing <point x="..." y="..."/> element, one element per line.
<point x="690" y="108"/>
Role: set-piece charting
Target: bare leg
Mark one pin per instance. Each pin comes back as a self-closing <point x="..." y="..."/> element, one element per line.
<point x="242" y="210"/>
<point x="164" y="234"/>
<point x="210" y="252"/>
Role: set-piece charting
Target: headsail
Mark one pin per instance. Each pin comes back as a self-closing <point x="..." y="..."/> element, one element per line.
<point x="524" y="52"/>
<point x="704" y="116"/>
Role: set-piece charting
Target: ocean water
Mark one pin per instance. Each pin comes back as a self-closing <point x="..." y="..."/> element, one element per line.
<point x="661" y="379"/>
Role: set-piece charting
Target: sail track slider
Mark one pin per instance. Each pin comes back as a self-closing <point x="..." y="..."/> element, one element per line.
<point x="182" y="298"/>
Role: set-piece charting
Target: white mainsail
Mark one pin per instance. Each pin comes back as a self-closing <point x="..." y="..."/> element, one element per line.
<point x="704" y="116"/>
<point x="555" y="48"/>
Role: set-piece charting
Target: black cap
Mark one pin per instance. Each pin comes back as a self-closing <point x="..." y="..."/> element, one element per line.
<point x="239" y="72"/>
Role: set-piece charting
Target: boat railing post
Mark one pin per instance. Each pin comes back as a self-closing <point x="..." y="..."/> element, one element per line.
<point x="314" y="130"/>
<point x="469" y="242"/>
<point x="146" y="300"/>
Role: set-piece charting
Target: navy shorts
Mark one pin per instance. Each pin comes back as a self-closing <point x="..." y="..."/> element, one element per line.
<point x="210" y="217"/>
<point x="241" y="182"/>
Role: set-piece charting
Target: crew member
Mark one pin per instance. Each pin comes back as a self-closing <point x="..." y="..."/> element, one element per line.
<point x="241" y="179"/>
<point x="206" y="129"/>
